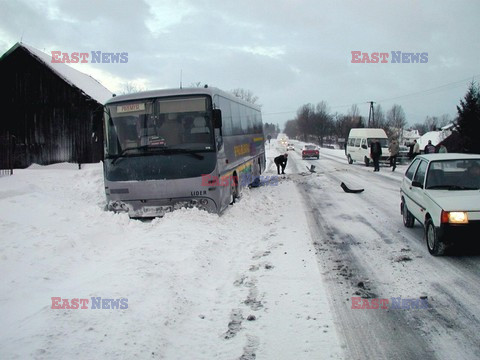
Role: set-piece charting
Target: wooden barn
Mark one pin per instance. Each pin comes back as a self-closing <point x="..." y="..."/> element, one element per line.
<point x="50" y="112"/>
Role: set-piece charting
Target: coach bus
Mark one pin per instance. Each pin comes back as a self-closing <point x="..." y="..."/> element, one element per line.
<point x="169" y="149"/>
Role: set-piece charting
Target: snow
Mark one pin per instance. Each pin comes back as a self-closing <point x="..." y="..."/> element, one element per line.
<point x="84" y="82"/>
<point x="434" y="136"/>
<point x="191" y="278"/>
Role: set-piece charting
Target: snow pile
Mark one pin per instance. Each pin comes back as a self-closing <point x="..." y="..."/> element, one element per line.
<point x="199" y="286"/>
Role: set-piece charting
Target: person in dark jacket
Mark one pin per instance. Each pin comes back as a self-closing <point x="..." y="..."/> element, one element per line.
<point x="375" y="154"/>
<point x="281" y="160"/>
<point x="429" y="149"/>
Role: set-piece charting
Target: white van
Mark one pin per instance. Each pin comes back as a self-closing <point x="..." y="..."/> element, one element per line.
<point x="358" y="145"/>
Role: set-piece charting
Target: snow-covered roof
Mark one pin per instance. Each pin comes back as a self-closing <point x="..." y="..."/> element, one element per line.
<point x="449" y="126"/>
<point x="84" y="82"/>
<point x="411" y="134"/>
<point x="435" y="136"/>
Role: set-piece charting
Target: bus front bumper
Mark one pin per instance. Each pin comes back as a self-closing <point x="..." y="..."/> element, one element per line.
<point x="158" y="208"/>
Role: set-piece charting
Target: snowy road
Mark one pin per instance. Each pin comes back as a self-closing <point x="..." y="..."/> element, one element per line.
<point x="365" y="251"/>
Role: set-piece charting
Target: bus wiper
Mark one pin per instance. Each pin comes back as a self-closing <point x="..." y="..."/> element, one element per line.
<point x="124" y="152"/>
<point x="194" y="153"/>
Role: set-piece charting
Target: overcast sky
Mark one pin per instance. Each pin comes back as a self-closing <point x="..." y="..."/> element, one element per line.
<point x="287" y="52"/>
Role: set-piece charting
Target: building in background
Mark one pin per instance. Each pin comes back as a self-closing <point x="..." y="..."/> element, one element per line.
<point x="50" y="111"/>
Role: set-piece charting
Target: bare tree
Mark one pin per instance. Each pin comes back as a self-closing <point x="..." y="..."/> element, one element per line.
<point x="246" y="95"/>
<point x="396" y="121"/>
<point x="304" y="119"/>
<point x="422" y="129"/>
<point x="431" y="123"/>
<point x="379" y="121"/>
<point x="322" y="122"/>
<point x="131" y="88"/>
<point x="444" y="120"/>
<point x="291" y="129"/>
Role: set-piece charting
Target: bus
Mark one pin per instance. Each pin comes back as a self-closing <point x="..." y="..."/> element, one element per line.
<point x="176" y="148"/>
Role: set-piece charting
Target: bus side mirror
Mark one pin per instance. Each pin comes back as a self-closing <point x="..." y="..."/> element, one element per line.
<point x="217" y="118"/>
<point x="364" y="146"/>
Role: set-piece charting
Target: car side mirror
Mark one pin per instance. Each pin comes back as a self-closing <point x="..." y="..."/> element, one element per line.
<point x="217" y="118"/>
<point x="417" y="184"/>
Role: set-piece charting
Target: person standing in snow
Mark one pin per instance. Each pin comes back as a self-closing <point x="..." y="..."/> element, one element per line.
<point x="442" y="149"/>
<point x="281" y="161"/>
<point x="416" y="148"/>
<point x="394" y="148"/>
<point x="429" y="148"/>
<point x="375" y="153"/>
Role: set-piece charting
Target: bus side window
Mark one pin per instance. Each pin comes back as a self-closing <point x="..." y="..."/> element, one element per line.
<point x="236" y="121"/>
<point x="224" y="105"/>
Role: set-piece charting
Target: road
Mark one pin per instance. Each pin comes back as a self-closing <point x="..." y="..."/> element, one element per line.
<point x="364" y="250"/>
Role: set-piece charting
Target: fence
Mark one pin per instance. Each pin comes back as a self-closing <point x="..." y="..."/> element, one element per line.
<point x="7" y="154"/>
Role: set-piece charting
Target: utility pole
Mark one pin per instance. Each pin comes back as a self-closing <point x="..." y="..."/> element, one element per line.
<point x="371" y="115"/>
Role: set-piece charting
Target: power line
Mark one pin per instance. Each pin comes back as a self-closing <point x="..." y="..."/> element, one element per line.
<point x="451" y="85"/>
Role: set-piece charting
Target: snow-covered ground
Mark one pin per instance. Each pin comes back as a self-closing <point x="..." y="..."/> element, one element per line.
<point x="272" y="278"/>
<point x="198" y="286"/>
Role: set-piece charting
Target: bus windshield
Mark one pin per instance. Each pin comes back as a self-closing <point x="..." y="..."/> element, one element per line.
<point x="157" y="125"/>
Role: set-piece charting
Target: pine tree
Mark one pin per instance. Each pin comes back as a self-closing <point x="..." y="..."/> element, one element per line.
<point x="468" y="123"/>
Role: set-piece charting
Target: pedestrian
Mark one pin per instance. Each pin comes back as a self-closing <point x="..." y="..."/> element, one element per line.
<point x="394" y="148"/>
<point x="375" y="153"/>
<point x="410" y="150"/>
<point x="442" y="149"/>
<point x="416" y="149"/>
<point x="429" y="148"/>
<point x="281" y="161"/>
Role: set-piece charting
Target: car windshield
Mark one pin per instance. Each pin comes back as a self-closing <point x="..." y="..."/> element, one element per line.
<point x="310" y="147"/>
<point x="461" y="174"/>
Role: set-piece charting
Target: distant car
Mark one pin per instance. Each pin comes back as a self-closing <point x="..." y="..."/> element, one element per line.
<point x="403" y="156"/>
<point x="290" y="147"/>
<point x="441" y="191"/>
<point x="310" y="151"/>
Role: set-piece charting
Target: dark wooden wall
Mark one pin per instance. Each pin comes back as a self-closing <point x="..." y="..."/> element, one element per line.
<point x="50" y="120"/>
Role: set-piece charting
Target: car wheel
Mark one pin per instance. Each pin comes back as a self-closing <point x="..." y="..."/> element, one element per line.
<point x="367" y="161"/>
<point x="408" y="219"/>
<point x="350" y="161"/>
<point x="435" y="244"/>
<point x="318" y="157"/>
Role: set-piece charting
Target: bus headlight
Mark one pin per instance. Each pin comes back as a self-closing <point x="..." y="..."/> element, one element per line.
<point x="117" y="206"/>
<point x="454" y="217"/>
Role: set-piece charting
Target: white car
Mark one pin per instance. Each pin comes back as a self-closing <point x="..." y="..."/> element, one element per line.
<point x="290" y="146"/>
<point x="442" y="192"/>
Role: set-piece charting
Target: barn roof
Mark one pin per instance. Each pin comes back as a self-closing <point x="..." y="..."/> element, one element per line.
<point x="85" y="83"/>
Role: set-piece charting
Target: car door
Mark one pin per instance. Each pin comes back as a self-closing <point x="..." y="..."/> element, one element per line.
<point x="417" y="194"/>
